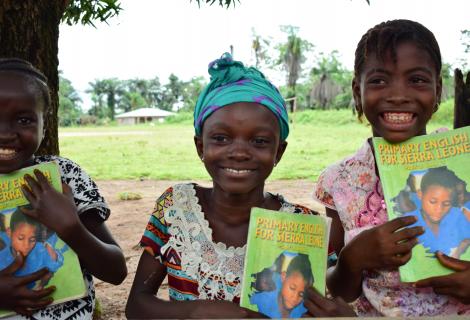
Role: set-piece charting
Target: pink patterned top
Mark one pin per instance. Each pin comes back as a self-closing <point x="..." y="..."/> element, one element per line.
<point x="352" y="188"/>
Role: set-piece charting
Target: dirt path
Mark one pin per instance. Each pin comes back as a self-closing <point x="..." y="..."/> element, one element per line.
<point x="128" y="220"/>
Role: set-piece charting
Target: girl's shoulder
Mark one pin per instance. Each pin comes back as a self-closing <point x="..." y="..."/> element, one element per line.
<point x="345" y="174"/>
<point x="287" y="206"/>
<point x="363" y="157"/>
<point x="67" y="167"/>
<point x="182" y="194"/>
<point x="85" y="191"/>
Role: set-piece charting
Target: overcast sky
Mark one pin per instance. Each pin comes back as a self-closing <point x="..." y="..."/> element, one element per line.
<point x="158" y="37"/>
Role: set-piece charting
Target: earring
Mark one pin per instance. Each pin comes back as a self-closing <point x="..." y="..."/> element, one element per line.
<point x="275" y="163"/>
<point x="202" y="158"/>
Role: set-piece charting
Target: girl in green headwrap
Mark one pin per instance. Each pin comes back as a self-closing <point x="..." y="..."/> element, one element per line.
<point x="196" y="235"/>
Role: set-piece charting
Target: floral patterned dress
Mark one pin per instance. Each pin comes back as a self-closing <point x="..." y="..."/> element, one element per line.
<point x="353" y="189"/>
<point x="179" y="236"/>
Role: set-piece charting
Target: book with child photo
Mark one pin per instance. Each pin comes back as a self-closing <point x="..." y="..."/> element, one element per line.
<point x="426" y="177"/>
<point x="38" y="245"/>
<point x="286" y="253"/>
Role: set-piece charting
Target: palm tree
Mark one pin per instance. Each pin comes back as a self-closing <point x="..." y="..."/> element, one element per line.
<point x="149" y="90"/>
<point x="291" y="56"/>
<point x="111" y="89"/>
<point x="260" y="46"/>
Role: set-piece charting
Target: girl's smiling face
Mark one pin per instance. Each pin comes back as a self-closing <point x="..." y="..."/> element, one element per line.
<point x="240" y="145"/>
<point x="398" y="97"/>
<point x="21" y="121"/>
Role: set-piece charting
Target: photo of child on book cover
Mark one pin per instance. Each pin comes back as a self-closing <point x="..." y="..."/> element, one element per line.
<point x="437" y="198"/>
<point x="279" y="290"/>
<point x="20" y="234"/>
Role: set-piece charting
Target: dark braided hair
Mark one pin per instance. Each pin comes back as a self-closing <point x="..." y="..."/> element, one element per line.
<point x="384" y="39"/>
<point x="26" y="69"/>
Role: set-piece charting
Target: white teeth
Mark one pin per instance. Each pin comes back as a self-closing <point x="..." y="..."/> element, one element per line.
<point x="398" y="118"/>
<point x="236" y="171"/>
<point x="7" y="152"/>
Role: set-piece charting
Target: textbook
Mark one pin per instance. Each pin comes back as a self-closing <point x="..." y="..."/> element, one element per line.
<point x="286" y="253"/>
<point x="39" y="245"/>
<point x="427" y="177"/>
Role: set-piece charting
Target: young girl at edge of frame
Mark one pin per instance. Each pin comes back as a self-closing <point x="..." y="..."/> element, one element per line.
<point x="77" y="215"/>
<point x="197" y="235"/>
<point x="397" y="86"/>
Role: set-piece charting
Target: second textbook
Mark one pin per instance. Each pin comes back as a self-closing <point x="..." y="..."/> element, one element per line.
<point x="286" y="253"/>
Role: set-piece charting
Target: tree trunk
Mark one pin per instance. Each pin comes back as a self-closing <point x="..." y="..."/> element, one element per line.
<point x="462" y="100"/>
<point x="29" y="29"/>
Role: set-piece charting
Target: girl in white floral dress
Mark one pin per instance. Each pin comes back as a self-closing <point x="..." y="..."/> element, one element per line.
<point x="196" y="236"/>
<point x="397" y="86"/>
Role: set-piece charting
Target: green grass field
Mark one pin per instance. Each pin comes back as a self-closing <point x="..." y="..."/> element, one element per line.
<point x="166" y="151"/>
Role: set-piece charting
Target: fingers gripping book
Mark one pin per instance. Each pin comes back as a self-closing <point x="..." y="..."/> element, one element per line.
<point x="427" y="177"/>
<point x="39" y="246"/>
<point x="286" y="254"/>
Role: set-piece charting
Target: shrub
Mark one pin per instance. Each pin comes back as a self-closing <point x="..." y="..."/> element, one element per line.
<point x="129" y="196"/>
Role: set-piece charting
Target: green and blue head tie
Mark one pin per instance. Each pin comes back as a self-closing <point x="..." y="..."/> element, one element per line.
<point x="232" y="82"/>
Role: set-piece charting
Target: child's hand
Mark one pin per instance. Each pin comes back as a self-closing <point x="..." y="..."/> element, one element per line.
<point x="55" y="210"/>
<point x="456" y="285"/>
<point x="385" y="246"/>
<point x="320" y="307"/>
<point x="222" y="309"/>
<point x="15" y="295"/>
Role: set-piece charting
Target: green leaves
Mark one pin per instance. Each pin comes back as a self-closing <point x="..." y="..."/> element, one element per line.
<point x="222" y="3"/>
<point x="87" y="11"/>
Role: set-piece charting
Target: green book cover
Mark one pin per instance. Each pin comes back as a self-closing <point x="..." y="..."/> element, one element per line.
<point x="40" y="245"/>
<point x="427" y="177"/>
<point x="286" y="253"/>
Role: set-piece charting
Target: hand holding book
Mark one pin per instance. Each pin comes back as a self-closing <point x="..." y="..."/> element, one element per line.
<point x="33" y="255"/>
<point x="456" y="285"/>
<point x="426" y="177"/>
<point x="16" y="295"/>
<point x="389" y="245"/>
<point x="318" y="306"/>
<point x="55" y="210"/>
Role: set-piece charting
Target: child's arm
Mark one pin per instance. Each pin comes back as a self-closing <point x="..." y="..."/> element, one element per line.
<point x="341" y="273"/>
<point x="142" y="302"/>
<point x="14" y="294"/>
<point x="87" y="235"/>
<point x="321" y="307"/>
<point x="385" y="246"/>
<point x="456" y="285"/>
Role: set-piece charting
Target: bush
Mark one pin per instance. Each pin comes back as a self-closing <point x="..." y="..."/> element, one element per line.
<point x="86" y="120"/>
<point x="445" y="114"/>
<point x="181" y="117"/>
<point x="343" y="100"/>
<point x="129" y="196"/>
<point x="327" y="117"/>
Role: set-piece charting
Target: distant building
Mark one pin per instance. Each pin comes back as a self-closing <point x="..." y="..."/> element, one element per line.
<point x="143" y="115"/>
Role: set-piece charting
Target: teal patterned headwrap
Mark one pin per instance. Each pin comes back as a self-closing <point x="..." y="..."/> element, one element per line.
<point x="232" y="82"/>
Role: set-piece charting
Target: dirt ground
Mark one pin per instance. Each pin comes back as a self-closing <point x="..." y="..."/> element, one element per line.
<point x="128" y="220"/>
